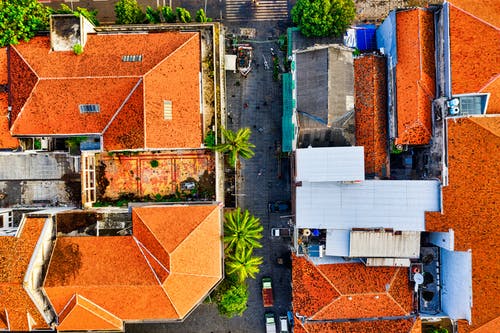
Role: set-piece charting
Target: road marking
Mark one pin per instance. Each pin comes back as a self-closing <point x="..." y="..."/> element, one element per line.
<point x="266" y="10"/>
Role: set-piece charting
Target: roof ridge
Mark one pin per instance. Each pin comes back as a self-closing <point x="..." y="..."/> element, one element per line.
<point x="474" y="16"/>
<point x="150" y="231"/>
<point x="393" y="279"/>
<point x="25" y="61"/>
<point x="475" y="120"/>
<point x="400" y="306"/>
<point x="14" y="121"/>
<point x="325" y="308"/>
<point x="122" y="105"/>
<point x="141" y="247"/>
<point x="78" y="296"/>
<point x="169" y="299"/>
<point x="192" y="274"/>
<point x="326" y="278"/>
<point x="491" y="81"/>
<point x="111" y="77"/>
<point x="215" y="209"/>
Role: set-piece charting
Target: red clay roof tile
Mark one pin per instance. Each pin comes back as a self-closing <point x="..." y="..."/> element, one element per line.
<point x="6" y="140"/>
<point x="475" y="49"/>
<point x="386" y="326"/>
<point x="118" y="273"/>
<point x="470" y="207"/>
<point x="3" y="65"/>
<point x="43" y="80"/>
<point x="15" y="255"/>
<point x="415" y="76"/>
<point x="371" y="109"/>
<point x="348" y="291"/>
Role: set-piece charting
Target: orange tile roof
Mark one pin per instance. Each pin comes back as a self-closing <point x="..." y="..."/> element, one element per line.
<point x="130" y="94"/>
<point x="470" y="207"/>
<point x="415" y="76"/>
<point x="3" y="65"/>
<point x="386" y="326"/>
<point x="475" y="49"/>
<point x="15" y="255"/>
<point x="348" y="291"/>
<point x="371" y="109"/>
<point x="82" y="314"/>
<point x="169" y="264"/>
<point x="6" y="140"/>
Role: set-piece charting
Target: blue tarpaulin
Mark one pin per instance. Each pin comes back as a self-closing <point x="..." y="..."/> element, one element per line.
<point x="366" y="37"/>
<point x="386" y="39"/>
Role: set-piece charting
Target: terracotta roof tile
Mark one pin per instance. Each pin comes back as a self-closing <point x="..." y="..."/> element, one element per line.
<point x="371" y="108"/>
<point x="3" y="65"/>
<point x="102" y="54"/>
<point x="60" y="81"/>
<point x="64" y="116"/>
<point x="386" y="326"/>
<point x="6" y="140"/>
<point x="415" y="75"/>
<point x="348" y="291"/>
<point x="484" y="10"/>
<point x="117" y="274"/>
<point x="85" y="315"/>
<point x="475" y="61"/>
<point x="175" y="80"/>
<point x="15" y="254"/>
<point x="470" y="207"/>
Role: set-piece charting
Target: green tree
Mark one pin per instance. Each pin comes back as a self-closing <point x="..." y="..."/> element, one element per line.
<point x="183" y="15"/>
<point x="233" y="301"/>
<point x="236" y="144"/>
<point x="128" y="12"/>
<point x="321" y="18"/>
<point x="201" y="16"/>
<point x="152" y="15"/>
<point x="241" y="231"/>
<point x="243" y="265"/>
<point x="21" y="19"/>
<point x="168" y="14"/>
<point x="90" y="15"/>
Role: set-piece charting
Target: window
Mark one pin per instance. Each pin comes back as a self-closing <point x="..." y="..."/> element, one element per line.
<point x="89" y="108"/>
<point x="132" y="58"/>
<point x="167" y="110"/>
<point x="470" y="105"/>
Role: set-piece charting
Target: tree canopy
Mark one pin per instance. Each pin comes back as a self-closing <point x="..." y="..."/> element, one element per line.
<point x="236" y="144"/>
<point x="241" y="231"/>
<point x="322" y="18"/>
<point x="21" y="19"/>
<point x="243" y="265"/>
<point x="128" y="12"/>
<point x="233" y="301"/>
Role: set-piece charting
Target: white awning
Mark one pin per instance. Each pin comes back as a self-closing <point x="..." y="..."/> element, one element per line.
<point x="383" y="244"/>
<point x="230" y="62"/>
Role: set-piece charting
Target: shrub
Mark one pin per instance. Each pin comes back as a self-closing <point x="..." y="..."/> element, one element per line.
<point x="152" y="15"/>
<point x="233" y="301"/>
<point x="154" y="163"/>
<point x="183" y="15"/>
<point x="168" y="14"/>
<point x="128" y="12"/>
<point x="78" y="49"/>
<point x="201" y="16"/>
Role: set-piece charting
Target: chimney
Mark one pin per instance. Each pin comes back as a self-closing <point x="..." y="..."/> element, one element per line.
<point x="68" y="30"/>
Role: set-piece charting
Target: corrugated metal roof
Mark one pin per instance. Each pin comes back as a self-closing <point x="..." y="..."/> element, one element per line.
<point x="288" y="128"/>
<point x="397" y="204"/>
<point x="405" y="244"/>
<point x="330" y="164"/>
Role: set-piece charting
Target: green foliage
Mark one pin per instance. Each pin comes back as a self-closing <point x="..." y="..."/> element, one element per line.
<point x="74" y="141"/>
<point x="183" y="15"/>
<point x="152" y="15"/>
<point x="78" y="49"/>
<point x="438" y="330"/>
<point x="233" y="301"/>
<point x="210" y="139"/>
<point x="154" y="163"/>
<point x="283" y="42"/>
<point x="201" y="16"/>
<point x="241" y="231"/>
<point x="21" y="19"/>
<point x="242" y="264"/>
<point x="321" y="18"/>
<point x="236" y="144"/>
<point x="128" y="12"/>
<point x="168" y="14"/>
<point x="89" y="15"/>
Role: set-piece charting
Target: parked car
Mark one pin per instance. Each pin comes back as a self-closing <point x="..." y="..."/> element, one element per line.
<point x="281" y="232"/>
<point x="279" y="206"/>
<point x="270" y="323"/>
<point x="283" y="324"/>
<point x="267" y="292"/>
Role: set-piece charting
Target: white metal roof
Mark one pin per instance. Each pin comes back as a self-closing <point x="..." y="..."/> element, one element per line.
<point x="337" y="243"/>
<point x="330" y="164"/>
<point x="456" y="289"/>
<point x="405" y="244"/>
<point x="397" y="204"/>
<point x="230" y="62"/>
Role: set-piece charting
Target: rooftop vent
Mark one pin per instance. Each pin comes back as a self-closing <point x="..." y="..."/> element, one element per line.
<point x="132" y="58"/>
<point x="167" y="110"/>
<point x="89" y="108"/>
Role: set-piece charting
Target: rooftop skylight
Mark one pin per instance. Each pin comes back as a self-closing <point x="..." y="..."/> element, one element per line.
<point x="89" y="108"/>
<point x="132" y="58"/>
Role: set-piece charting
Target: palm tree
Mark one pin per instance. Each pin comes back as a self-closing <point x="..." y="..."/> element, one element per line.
<point x="241" y="231"/>
<point x="243" y="265"/>
<point x="236" y="144"/>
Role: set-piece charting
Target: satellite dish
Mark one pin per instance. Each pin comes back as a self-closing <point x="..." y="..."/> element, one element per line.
<point x="419" y="279"/>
